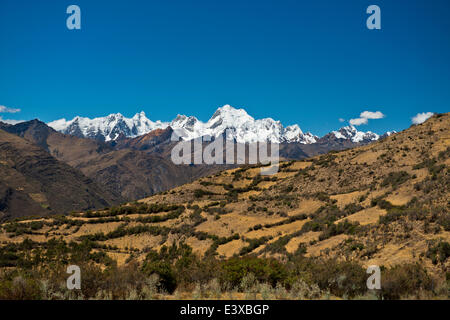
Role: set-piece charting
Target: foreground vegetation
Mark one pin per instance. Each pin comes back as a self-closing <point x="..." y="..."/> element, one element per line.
<point x="176" y="273"/>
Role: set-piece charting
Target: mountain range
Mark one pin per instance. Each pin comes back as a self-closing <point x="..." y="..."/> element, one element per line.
<point x="243" y="128"/>
<point x="124" y="172"/>
<point x="121" y="159"/>
<point x="384" y="204"/>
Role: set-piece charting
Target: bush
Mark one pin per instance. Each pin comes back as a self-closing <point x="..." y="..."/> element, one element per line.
<point x="340" y="228"/>
<point x="162" y="264"/>
<point x="395" y="179"/>
<point x="392" y="215"/>
<point x="352" y="208"/>
<point x="199" y="193"/>
<point x="402" y="280"/>
<point x="265" y="270"/>
<point x="20" y="288"/>
<point x="253" y="244"/>
<point x="339" y="277"/>
<point x="438" y="252"/>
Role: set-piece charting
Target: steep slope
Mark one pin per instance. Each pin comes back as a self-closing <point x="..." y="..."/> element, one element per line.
<point x="67" y="148"/>
<point x="137" y="174"/>
<point x="33" y="182"/>
<point x="156" y="141"/>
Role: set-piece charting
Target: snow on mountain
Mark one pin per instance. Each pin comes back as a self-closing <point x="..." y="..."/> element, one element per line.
<point x="242" y="127"/>
<point x="245" y="128"/>
<point x="107" y="128"/>
<point x="387" y="134"/>
<point x="351" y="133"/>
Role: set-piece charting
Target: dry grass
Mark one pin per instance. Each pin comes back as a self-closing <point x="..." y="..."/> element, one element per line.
<point x="119" y="257"/>
<point x="400" y="197"/>
<point x="317" y="249"/>
<point x="299" y="165"/>
<point x="366" y="216"/>
<point x="199" y="246"/>
<point x="246" y="195"/>
<point x="139" y="241"/>
<point x="306" y="206"/>
<point x="234" y="223"/>
<point x="266" y="184"/>
<point x="229" y="249"/>
<point x="368" y="157"/>
<point x="278" y="230"/>
<point x="97" y="228"/>
<point x="347" y="198"/>
<point x="304" y="238"/>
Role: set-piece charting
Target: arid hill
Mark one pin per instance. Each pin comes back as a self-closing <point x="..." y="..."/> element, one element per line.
<point x="386" y="203"/>
<point x="132" y="168"/>
<point x="32" y="182"/>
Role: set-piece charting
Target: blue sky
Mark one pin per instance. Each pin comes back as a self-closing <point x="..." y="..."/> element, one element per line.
<point x="305" y="62"/>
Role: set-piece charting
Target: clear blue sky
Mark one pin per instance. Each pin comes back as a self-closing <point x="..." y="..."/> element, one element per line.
<point x="305" y="62"/>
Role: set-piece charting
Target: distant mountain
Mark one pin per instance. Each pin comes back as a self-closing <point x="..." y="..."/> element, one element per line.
<point x="107" y="128"/>
<point x="129" y="168"/>
<point x="131" y="158"/>
<point x="32" y="182"/>
<point x="67" y="148"/>
<point x="388" y="134"/>
<point x="351" y="133"/>
<point x="242" y="128"/>
<point x="158" y="141"/>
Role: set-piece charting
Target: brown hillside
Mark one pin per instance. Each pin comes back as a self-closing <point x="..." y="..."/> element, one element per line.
<point x="34" y="183"/>
<point x="386" y="203"/>
<point x="131" y="169"/>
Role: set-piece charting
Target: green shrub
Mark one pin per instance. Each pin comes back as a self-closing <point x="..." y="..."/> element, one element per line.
<point x="339" y="277"/>
<point x="404" y="280"/>
<point x="395" y="179"/>
<point x="438" y="252"/>
<point x="199" y="193"/>
<point x="265" y="270"/>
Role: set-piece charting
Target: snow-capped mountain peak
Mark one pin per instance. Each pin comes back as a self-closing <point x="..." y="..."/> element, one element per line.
<point x="242" y="127"/>
<point x="140" y="115"/>
<point x="351" y="133"/>
<point x="107" y="128"/>
<point x="230" y="115"/>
